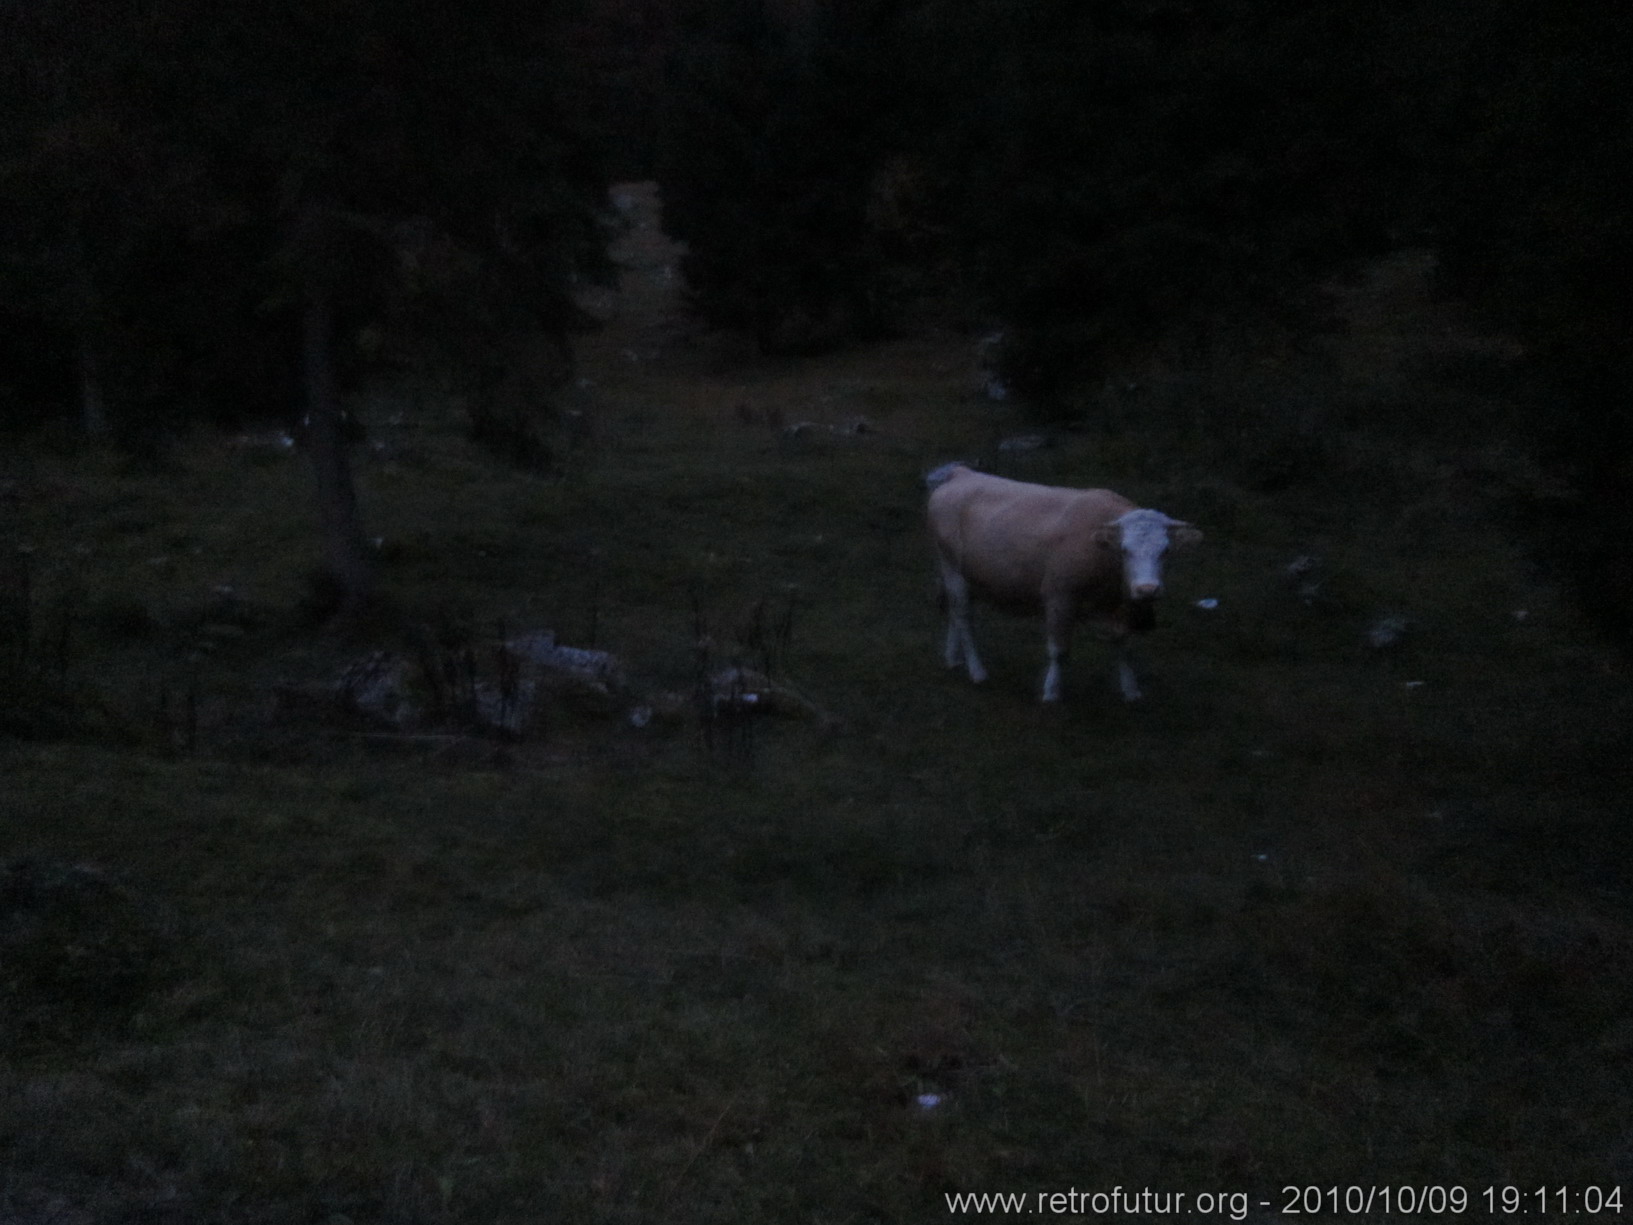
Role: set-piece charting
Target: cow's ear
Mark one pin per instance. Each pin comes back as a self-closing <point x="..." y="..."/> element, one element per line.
<point x="1183" y="533"/>
<point x="1108" y="535"/>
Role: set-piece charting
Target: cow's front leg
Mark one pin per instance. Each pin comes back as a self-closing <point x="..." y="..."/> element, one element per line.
<point x="1126" y="679"/>
<point x="960" y="641"/>
<point x="1058" y="614"/>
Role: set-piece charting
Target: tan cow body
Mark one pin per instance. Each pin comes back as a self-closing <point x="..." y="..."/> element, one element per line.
<point x="1071" y="554"/>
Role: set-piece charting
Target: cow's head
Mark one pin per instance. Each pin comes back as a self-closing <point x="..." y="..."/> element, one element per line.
<point x="1144" y="537"/>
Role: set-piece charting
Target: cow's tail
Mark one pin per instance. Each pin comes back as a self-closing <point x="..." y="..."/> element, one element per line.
<point x="937" y="477"/>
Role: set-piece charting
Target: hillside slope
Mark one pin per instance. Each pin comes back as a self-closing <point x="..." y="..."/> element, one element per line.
<point x="1323" y="910"/>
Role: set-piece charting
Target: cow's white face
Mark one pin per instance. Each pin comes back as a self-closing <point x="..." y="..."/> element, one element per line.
<point x="1144" y="537"/>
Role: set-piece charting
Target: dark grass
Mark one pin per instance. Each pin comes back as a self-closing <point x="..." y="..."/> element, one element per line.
<point x="1314" y="912"/>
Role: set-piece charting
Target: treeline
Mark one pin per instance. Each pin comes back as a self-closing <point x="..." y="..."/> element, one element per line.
<point x="184" y="187"/>
<point x="1098" y="178"/>
<point x="235" y="212"/>
<point x="231" y="213"/>
<point x="1100" y="173"/>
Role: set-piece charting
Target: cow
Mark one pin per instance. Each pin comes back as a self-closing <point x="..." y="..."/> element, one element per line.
<point x="1071" y="554"/>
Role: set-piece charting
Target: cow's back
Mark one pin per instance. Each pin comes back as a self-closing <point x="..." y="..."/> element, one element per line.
<point x="1011" y="539"/>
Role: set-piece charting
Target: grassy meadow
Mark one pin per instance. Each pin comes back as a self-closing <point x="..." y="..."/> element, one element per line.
<point x="1315" y="912"/>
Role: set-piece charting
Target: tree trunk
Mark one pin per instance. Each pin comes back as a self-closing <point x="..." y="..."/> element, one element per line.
<point x="345" y="552"/>
<point x="93" y="410"/>
<point x="91" y="333"/>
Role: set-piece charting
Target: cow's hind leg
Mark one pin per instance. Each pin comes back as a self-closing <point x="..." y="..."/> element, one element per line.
<point x="960" y="641"/>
